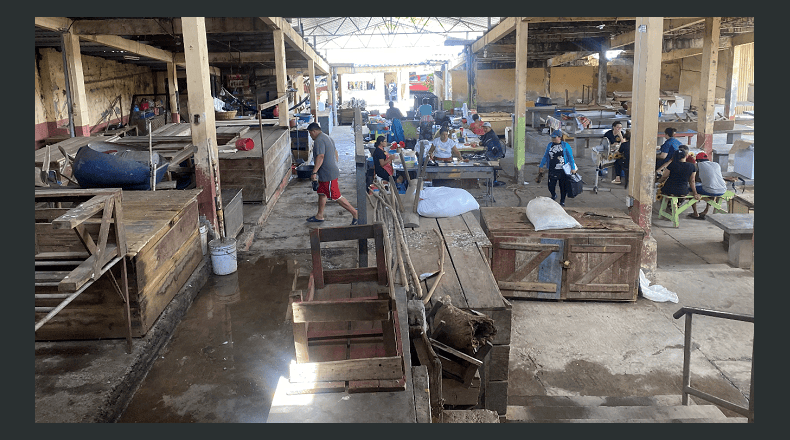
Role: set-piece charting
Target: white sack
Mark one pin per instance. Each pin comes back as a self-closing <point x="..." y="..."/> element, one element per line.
<point x="545" y="213"/>
<point x="442" y="201"/>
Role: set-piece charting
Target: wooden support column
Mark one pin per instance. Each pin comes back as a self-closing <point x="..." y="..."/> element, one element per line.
<point x="519" y="138"/>
<point x="201" y="115"/>
<point x="644" y="117"/>
<point x="172" y="87"/>
<point x="79" y="101"/>
<point x="331" y="83"/>
<point x="282" y="81"/>
<point x="602" y="75"/>
<point x="313" y="94"/>
<point x="471" y="69"/>
<point x="707" y="90"/>
<point x="731" y="93"/>
<point x="547" y="81"/>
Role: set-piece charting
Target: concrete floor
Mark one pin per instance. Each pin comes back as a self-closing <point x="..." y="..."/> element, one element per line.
<point x="230" y="349"/>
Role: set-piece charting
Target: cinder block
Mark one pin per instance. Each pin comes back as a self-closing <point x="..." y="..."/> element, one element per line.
<point x="496" y="396"/>
<point x="498" y="363"/>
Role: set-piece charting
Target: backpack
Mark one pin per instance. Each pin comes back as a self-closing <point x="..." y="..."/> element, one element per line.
<point x="575" y="185"/>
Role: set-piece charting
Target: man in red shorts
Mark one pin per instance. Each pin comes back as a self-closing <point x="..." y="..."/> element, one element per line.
<point x="326" y="173"/>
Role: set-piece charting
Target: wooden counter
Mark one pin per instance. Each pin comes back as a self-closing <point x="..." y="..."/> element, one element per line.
<point x="260" y="171"/>
<point x="599" y="261"/>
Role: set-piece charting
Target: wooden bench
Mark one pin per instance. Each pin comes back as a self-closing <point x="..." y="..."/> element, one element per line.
<point x="688" y="201"/>
<point x="738" y="237"/>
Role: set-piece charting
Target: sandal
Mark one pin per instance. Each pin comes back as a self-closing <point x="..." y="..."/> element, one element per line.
<point x="314" y="220"/>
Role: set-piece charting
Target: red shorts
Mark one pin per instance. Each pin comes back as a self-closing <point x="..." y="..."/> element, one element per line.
<point x="330" y="189"/>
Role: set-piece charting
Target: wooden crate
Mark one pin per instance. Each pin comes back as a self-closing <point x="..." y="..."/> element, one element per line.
<point x="233" y="210"/>
<point x="345" y="324"/>
<point x="599" y="261"/>
<point x="259" y="171"/>
<point x="163" y="249"/>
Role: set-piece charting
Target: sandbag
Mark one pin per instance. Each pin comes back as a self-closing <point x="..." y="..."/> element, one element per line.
<point x="545" y="213"/>
<point x="442" y="201"/>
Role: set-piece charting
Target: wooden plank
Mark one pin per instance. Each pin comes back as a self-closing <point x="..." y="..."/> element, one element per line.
<point x="537" y="247"/>
<point x="601" y="249"/>
<point x="331" y="311"/>
<point x="525" y="286"/>
<point x="530" y="266"/>
<point x="382" y="368"/>
<point x="575" y="287"/>
<point x="85" y="271"/>
<point x="477" y="282"/>
<point x="425" y="258"/>
<point x="150" y="259"/>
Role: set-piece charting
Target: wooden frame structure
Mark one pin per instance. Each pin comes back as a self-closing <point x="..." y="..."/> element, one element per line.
<point x="355" y="341"/>
<point x="72" y="261"/>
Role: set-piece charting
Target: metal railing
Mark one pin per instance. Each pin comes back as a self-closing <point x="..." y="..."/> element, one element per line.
<point x="687" y="389"/>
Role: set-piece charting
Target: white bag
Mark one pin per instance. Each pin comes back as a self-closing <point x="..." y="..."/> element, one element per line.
<point x="655" y="292"/>
<point x="545" y="213"/>
<point x="442" y="201"/>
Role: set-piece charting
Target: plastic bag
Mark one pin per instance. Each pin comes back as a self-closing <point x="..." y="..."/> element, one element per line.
<point x="442" y="201"/>
<point x="545" y="213"/>
<point x="655" y="292"/>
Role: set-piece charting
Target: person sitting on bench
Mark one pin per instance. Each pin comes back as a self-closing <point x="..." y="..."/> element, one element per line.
<point x="712" y="183"/>
<point x="678" y="177"/>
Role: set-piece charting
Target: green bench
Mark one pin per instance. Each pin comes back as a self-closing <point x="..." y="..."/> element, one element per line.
<point x="679" y="204"/>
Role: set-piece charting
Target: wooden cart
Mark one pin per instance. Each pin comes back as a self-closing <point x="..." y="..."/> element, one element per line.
<point x="599" y="261"/>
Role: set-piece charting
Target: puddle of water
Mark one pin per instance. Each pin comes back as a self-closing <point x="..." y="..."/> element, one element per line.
<point x="226" y="355"/>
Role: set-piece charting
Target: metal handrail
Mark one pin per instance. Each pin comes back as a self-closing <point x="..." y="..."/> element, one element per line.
<point x="687" y="389"/>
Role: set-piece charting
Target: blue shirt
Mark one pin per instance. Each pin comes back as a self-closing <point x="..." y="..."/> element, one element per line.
<point x="426" y="110"/>
<point x="670" y="146"/>
<point x="566" y="157"/>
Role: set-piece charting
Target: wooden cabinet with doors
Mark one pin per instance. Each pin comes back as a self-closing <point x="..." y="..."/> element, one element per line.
<point x="599" y="261"/>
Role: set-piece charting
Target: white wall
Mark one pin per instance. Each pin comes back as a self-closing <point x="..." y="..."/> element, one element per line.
<point x="374" y="97"/>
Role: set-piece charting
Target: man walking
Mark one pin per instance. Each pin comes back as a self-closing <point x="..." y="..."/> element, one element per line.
<point x="326" y="173"/>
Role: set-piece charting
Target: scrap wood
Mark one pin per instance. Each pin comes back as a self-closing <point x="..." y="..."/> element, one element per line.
<point x="463" y="330"/>
<point x="441" y="267"/>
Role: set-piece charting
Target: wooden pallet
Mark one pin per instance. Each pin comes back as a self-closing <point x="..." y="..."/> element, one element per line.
<point x="345" y="324"/>
<point x="76" y="245"/>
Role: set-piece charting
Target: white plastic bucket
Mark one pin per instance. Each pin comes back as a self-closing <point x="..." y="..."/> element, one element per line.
<point x="223" y="255"/>
<point x="203" y="238"/>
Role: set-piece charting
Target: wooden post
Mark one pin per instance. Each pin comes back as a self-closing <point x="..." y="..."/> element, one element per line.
<point x="519" y="141"/>
<point x="361" y="181"/>
<point x="282" y="82"/>
<point x="79" y="102"/>
<point x="546" y="81"/>
<point x="644" y="117"/>
<point x="334" y="105"/>
<point x="602" y="75"/>
<point x="172" y="87"/>
<point x="731" y="92"/>
<point x="313" y="94"/>
<point x="707" y="89"/>
<point x="201" y="114"/>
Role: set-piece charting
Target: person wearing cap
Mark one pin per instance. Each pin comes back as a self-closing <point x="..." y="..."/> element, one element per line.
<point x="615" y="136"/>
<point x="711" y="183"/>
<point x="667" y="151"/>
<point x="326" y="173"/>
<point x="443" y="148"/>
<point x="558" y="153"/>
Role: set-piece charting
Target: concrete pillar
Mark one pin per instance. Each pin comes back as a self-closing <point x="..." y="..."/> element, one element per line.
<point x="331" y="84"/>
<point x="471" y="69"/>
<point x="519" y="137"/>
<point x="706" y="112"/>
<point x="282" y="81"/>
<point x="644" y="118"/>
<point x="79" y="101"/>
<point x="172" y="87"/>
<point x="602" y="75"/>
<point x="731" y="93"/>
<point x="313" y="94"/>
<point x="201" y="116"/>
<point x="547" y="81"/>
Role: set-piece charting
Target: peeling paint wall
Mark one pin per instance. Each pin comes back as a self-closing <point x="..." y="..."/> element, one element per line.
<point x="104" y="81"/>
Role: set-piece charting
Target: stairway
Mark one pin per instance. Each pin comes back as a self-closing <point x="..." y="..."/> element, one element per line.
<point x="595" y="409"/>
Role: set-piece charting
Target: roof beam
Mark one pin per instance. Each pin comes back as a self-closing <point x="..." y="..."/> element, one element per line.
<point x="498" y="32"/>
<point x="150" y="26"/>
<point x="57" y="24"/>
<point x="670" y="24"/>
<point x="296" y="41"/>
<point x="130" y="46"/>
<point x="567" y="58"/>
<point x="572" y="19"/>
<point x="742" y="39"/>
<point x="234" y="57"/>
<point x="724" y="43"/>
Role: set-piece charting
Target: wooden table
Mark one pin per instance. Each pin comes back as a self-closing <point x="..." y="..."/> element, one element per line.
<point x="738" y="237"/>
<point x="465" y="170"/>
<point x="742" y="203"/>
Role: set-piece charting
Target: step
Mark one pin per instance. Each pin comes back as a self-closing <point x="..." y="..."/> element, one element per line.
<point x="562" y="413"/>
<point x="659" y="400"/>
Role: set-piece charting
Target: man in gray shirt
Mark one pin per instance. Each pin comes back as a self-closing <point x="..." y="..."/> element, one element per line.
<point x="326" y="172"/>
<point x="711" y="182"/>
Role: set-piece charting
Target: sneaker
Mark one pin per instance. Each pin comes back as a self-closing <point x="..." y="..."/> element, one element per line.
<point x="354" y="222"/>
<point x="553" y="197"/>
<point x="562" y="203"/>
<point x="498" y="183"/>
